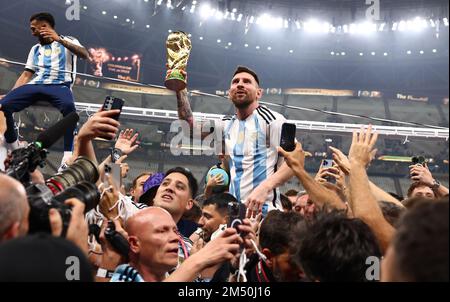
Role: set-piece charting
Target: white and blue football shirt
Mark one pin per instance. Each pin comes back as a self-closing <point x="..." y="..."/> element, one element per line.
<point x="54" y="60"/>
<point x="251" y="145"/>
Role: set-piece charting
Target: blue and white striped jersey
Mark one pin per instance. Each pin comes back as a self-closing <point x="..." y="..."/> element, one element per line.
<point x="53" y="59"/>
<point x="251" y="145"/>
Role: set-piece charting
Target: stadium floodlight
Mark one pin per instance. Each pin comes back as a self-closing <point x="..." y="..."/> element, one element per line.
<point x="421" y="52"/>
<point x="239" y="18"/>
<point x="192" y="10"/>
<point x="267" y="21"/>
<point x="206" y="11"/>
<point x="361" y="54"/>
<point x="385" y="54"/>
<point x="445" y="21"/>
<point x="434" y="50"/>
<point x="219" y="15"/>
<point x="394" y="26"/>
<point x="345" y="28"/>
<point x="314" y="26"/>
<point x="416" y="24"/>
<point x="373" y="53"/>
<point x="291" y="51"/>
<point x="332" y="53"/>
<point x="408" y="52"/>
<point x="365" y="28"/>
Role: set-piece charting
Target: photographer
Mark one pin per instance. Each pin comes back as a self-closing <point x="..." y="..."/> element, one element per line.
<point x="14" y="209"/>
<point x="422" y="178"/>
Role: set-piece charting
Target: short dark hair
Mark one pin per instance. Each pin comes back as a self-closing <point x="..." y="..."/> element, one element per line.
<point x="193" y="185"/>
<point x="333" y="247"/>
<point x="139" y="176"/>
<point x="291" y="192"/>
<point x="286" y="204"/>
<point x="221" y="201"/>
<point x="47" y="17"/>
<point x="240" y="69"/>
<point x="413" y="186"/>
<point x="391" y="212"/>
<point x="276" y="232"/>
<point x="421" y="243"/>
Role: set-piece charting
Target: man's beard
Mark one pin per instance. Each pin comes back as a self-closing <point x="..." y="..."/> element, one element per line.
<point x="245" y="103"/>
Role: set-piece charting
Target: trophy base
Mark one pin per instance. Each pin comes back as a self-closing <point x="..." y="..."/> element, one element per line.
<point x="175" y="84"/>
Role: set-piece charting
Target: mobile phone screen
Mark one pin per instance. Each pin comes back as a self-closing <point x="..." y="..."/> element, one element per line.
<point x="287" y="141"/>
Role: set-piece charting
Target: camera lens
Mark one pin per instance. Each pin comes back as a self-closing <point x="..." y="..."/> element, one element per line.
<point x="81" y="170"/>
<point x="85" y="192"/>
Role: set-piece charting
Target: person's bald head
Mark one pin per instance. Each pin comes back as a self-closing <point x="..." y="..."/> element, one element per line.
<point x="153" y="238"/>
<point x="148" y="217"/>
<point x="14" y="208"/>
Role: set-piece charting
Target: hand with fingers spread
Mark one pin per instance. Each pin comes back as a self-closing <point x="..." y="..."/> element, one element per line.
<point x="217" y="180"/>
<point x="77" y="231"/>
<point x="362" y="148"/>
<point x="101" y="124"/>
<point x="127" y="141"/>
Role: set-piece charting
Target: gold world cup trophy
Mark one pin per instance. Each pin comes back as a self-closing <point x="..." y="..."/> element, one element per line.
<point x="178" y="49"/>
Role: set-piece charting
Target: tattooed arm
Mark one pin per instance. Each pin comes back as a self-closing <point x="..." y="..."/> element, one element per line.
<point x="184" y="107"/>
<point x="79" y="51"/>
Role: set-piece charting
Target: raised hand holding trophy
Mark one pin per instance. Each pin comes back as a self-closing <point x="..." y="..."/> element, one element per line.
<point x="178" y="49"/>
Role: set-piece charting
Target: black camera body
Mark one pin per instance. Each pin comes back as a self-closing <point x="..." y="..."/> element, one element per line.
<point x="41" y="200"/>
<point x="26" y="160"/>
<point x="77" y="181"/>
<point x="118" y="242"/>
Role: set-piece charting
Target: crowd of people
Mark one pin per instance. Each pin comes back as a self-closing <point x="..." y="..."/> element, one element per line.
<point x="238" y="227"/>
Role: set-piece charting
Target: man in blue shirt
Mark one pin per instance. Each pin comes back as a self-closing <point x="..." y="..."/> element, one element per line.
<point x="49" y="75"/>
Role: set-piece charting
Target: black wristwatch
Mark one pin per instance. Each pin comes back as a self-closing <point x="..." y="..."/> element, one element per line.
<point x="116" y="153"/>
<point x="436" y="184"/>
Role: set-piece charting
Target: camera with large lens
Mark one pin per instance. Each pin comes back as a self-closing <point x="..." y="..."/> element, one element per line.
<point x="77" y="181"/>
<point x="81" y="170"/>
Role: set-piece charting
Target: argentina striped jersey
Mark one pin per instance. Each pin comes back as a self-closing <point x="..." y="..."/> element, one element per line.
<point x="251" y="145"/>
<point x="53" y="59"/>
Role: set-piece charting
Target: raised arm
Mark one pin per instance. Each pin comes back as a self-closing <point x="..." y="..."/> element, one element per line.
<point x="362" y="201"/>
<point x="77" y="50"/>
<point x="318" y="193"/>
<point x="184" y="107"/>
